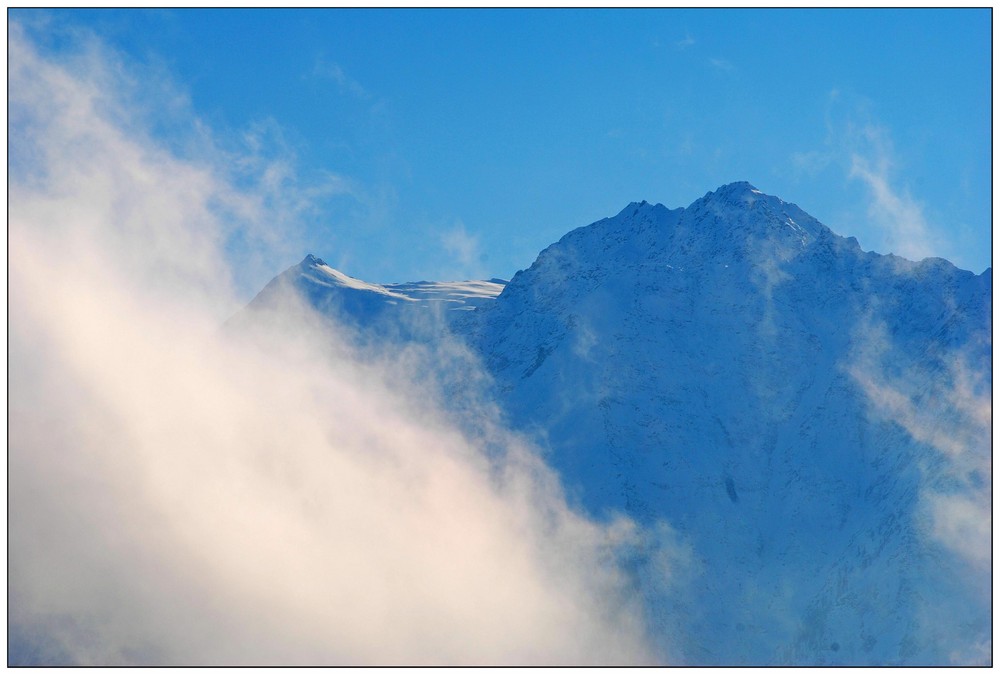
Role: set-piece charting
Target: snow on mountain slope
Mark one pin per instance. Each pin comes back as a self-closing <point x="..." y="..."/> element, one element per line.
<point x="412" y="310"/>
<point x="709" y="367"/>
<point x="801" y="427"/>
<point x="317" y="279"/>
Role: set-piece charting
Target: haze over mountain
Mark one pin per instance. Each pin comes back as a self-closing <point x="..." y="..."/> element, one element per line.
<point x="801" y="429"/>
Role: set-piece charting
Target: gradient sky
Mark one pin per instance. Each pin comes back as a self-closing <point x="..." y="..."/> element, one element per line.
<point x="434" y="144"/>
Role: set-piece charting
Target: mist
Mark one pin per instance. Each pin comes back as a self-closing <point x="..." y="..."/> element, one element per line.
<point x="944" y="404"/>
<point x="179" y="495"/>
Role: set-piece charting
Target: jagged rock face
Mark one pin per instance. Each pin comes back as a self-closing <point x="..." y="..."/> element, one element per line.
<point x="801" y="428"/>
<point x="701" y="366"/>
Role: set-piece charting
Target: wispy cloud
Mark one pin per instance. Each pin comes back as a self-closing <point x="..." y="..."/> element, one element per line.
<point x="264" y="163"/>
<point x="892" y="208"/>
<point x="859" y="145"/>
<point x="722" y="64"/>
<point x="950" y="410"/>
<point x="812" y="162"/>
<point x="334" y="71"/>
<point x="944" y="404"/>
<point x="180" y="498"/>
<point x="685" y="42"/>
<point x="464" y="249"/>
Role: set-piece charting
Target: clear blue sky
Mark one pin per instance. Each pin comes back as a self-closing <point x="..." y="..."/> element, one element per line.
<point x="462" y="142"/>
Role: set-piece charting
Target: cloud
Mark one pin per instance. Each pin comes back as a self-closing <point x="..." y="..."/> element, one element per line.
<point x="768" y="272"/>
<point x="333" y="71"/>
<point x="685" y="43"/>
<point x="944" y="403"/>
<point x="858" y="145"/>
<point x="893" y="209"/>
<point x="812" y="162"/>
<point x="722" y="64"/>
<point x="179" y="496"/>
<point x="949" y="409"/>
<point x="261" y="166"/>
<point x="464" y="248"/>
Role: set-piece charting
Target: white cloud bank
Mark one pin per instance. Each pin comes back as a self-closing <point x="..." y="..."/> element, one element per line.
<point x="176" y="498"/>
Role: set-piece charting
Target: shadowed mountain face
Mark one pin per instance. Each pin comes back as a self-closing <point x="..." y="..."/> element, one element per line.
<point x="801" y="428"/>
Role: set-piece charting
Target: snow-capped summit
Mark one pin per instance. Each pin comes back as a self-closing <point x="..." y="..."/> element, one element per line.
<point x="742" y="204"/>
<point x="736" y="192"/>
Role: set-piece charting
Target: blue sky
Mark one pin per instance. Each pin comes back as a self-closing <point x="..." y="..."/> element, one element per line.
<point x="433" y="144"/>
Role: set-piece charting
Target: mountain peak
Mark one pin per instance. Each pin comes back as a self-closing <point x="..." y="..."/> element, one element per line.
<point x="740" y="185"/>
<point x="311" y="261"/>
<point x="736" y="193"/>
